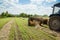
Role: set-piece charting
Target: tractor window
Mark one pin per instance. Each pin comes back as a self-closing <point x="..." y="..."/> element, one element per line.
<point x="56" y="10"/>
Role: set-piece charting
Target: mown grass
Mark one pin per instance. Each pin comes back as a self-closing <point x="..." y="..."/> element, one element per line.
<point x="30" y="33"/>
<point x="12" y="32"/>
<point x="3" y="21"/>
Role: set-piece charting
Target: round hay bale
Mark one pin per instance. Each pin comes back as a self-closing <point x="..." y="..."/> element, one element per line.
<point x="32" y="21"/>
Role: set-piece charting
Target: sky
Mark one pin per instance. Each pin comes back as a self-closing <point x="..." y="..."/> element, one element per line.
<point x="40" y="7"/>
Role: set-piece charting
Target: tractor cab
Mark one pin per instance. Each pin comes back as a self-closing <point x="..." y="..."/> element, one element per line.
<point x="54" y="18"/>
<point x="56" y="9"/>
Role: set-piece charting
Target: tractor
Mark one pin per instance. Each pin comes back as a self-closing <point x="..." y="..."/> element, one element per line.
<point x="54" y="18"/>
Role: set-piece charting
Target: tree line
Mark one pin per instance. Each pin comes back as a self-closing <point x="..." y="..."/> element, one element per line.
<point x="7" y="14"/>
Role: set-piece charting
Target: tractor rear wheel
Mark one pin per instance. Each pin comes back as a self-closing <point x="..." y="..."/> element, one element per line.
<point x="54" y="23"/>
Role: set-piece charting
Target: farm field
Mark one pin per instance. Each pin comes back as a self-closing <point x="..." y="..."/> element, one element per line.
<point x="18" y="29"/>
<point x="3" y="21"/>
<point x="29" y="19"/>
<point x="30" y="32"/>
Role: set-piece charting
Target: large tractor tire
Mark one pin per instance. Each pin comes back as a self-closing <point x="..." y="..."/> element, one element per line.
<point x="54" y="23"/>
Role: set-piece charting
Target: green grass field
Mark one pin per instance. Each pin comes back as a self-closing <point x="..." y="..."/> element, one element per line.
<point x="3" y="21"/>
<point x="30" y="33"/>
<point x="26" y="32"/>
<point x="12" y="31"/>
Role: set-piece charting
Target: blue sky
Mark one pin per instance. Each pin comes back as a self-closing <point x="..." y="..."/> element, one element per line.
<point x="39" y="7"/>
<point x="24" y="2"/>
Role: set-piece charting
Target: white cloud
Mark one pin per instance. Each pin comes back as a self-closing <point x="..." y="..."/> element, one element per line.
<point x="31" y="8"/>
<point x="46" y="10"/>
<point x="37" y="0"/>
<point x="50" y="0"/>
<point x="12" y="1"/>
<point x="15" y="1"/>
<point x="43" y="0"/>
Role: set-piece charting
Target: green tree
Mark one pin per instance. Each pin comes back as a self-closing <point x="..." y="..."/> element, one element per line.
<point x="45" y="15"/>
<point x="23" y="15"/>
<point x="2" y="14"/>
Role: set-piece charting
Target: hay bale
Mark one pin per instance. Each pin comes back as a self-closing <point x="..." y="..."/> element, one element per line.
<point x="32" y="21"/>
<point x="45" y="21"/>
